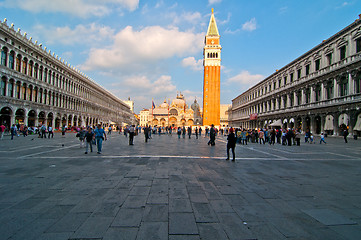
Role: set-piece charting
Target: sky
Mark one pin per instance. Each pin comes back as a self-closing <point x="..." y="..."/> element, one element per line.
<point x="152" y="49"/>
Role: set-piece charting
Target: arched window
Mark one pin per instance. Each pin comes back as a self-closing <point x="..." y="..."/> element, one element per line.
<point x="207" y="55"/>
<point x="35" y="94"/>
<point x="45" y="75"/>
<point x="31" y="64"/>
<point x="4" y="56"/>
<point x="216" y="55"/>
<point x="30" y="93"/>
<point x="57" y="80"/>
<point x="11" y="89"/>
<point x="24" y="91"/>
<point x="11" y="59"/>
<point x="18" y="87"/>
<point x="3" y="86"/>
<point x="36" y="69"/>
<point x="25" y="65"/>
<point x="41" y="95"/>
<point x="53" y="79"/>
<point x="45" y="96"/>
<point x="18" y="63"/>
<point x="49" y="77"/>
<point x="41" y="73"/>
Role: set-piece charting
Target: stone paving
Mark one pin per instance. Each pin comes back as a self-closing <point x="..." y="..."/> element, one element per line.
<point x="172" y="188"/>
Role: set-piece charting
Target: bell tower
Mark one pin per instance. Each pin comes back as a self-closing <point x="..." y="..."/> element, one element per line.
<point x="212" y="75"/>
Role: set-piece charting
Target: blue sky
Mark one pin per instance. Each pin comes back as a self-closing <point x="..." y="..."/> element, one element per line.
<point x="154" y="48"/>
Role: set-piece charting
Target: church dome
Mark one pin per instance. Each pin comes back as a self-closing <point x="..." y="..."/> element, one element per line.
<point x="195" y="106"/>
<point x="179" y="101"/>
<point x="164" y="104"/>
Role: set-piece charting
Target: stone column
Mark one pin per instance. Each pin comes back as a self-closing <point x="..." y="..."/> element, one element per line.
<point x="26" y="118"/>
<point x="312" y="124"/>
<point x="322" y="97"/>
<point x="350" y="84"/>
<point x="303" y="124"/>
<point x="302" y="96"/>
<point x="323" y="123"/>
<point x="335" y="125"/>
<point x="312" y="94"/>
<point x="335" y="88"/>
<point x="282" y="102"/>
<point x="276" y="104"/>
<point x="288" y="104"/>
<point x="12" y="119"/>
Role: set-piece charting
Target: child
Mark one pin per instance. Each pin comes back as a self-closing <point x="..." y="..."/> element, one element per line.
<point x="322" y="138"/>
<point x="89" y="137"/>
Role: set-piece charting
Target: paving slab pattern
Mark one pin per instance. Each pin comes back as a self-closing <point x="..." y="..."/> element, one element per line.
<point x="172" y="188"/>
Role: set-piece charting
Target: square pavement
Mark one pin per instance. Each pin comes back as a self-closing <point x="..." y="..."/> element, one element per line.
<point x="172" y="188"/>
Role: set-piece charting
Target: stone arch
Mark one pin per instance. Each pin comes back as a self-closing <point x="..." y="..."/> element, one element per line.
<point x="70" y="117"/>
<point x="190" y="122"/>
<point x="5" y="116"/>
<point x="41" y="117"/>
<point x="20" y="116"/>
<point x="50" y="119"/>
<point x="31" y="118"/>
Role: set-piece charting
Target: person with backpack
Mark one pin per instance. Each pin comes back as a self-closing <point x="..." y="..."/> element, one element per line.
<point x="14" y="131"/>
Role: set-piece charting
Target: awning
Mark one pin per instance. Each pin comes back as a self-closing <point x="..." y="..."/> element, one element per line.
<point x="328" y="123"/>
<point x="292" y="120"/>
<point x="285" y="121"/>
<point x="358" y="123"/>
<point x="343" y="119"/>
<point x="277" y="123"/>
<point x="265" y="123"/>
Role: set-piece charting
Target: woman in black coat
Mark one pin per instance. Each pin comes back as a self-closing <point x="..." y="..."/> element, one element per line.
<point x="231" y="144"/>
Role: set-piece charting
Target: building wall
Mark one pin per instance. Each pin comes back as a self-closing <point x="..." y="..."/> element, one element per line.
<point x="322" y="84"/>
<point x="38" y="87"/>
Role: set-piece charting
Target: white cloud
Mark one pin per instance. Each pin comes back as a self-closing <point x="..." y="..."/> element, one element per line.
<point x="245" y="78"/>
<point x="214" y="1"/>
<point x="79" y="8"/>
<point x="133" y="48"/>
<point x="91" y="33"/>
<point x="186" y="17"/>
<point x="250" y="25"/>
<point x="194" y="64"/>
<point x="162" y="85"/>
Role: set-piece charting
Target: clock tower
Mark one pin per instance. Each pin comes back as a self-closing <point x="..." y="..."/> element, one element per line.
<point x="212" y="75"/>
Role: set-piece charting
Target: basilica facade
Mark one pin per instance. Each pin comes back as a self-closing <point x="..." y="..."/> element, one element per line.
<point x="174" y="114"/>
<point x="320" y="91"/>
<point x="38" y="87"/>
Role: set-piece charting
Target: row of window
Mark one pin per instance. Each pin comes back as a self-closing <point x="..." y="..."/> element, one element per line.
<point x="303" y="98"/>
<point x="289" y="78"/>
<point x="28" y="67"/>
<point x="43" y="96"/>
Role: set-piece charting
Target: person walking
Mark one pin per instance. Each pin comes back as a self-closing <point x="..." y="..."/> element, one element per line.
<point x="189" y="130"/>
<point x="146" y="133"/>
<point x="131" y="134"/>
<point x="43" y="131"/>
<point x="298" y="137"/>
<point x="212" y="136"/>
<point x="196" y="132"/>
<point x="345" y="134"/>
<point x="2" y="131"/>
<point x="273" y="137"/>
<point x="289" y="136"/>
<point x="244" y="137"/>
<point x="231" y="144"/>
<point x="63" y="131"/>
<point x="13" y="131"/>
<point x="100" y="135"/>
<point x="110" y="130"/>
<point x="89" y="138"/>
<point x="200" y="131"/>
<point x="179" y="132"/>
<point x="184" y="132"/>
<point x="50" y="132"/>
<point x="81" y="135"/>
<point x="322" y="138"/>
<point x="261" y="137"/>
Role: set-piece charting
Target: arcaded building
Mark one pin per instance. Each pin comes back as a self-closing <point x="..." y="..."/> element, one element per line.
<point x="319" y="91"/>
<point x="38" y="87"/>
